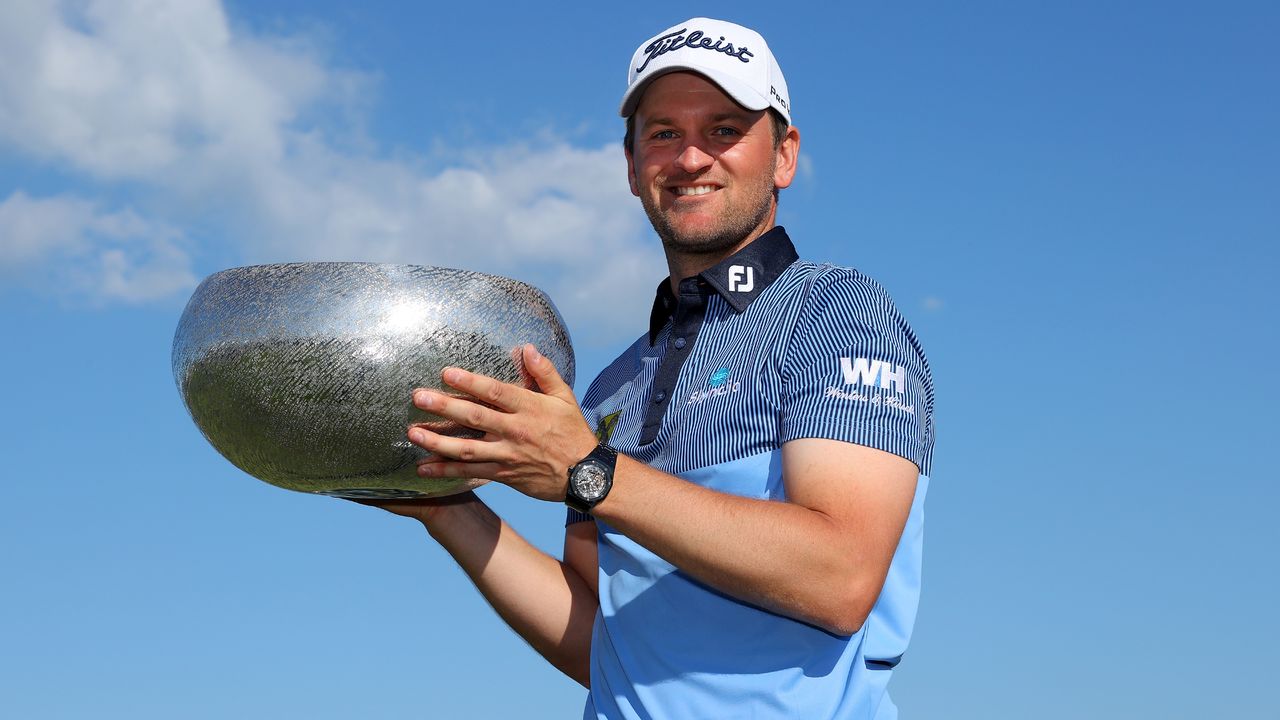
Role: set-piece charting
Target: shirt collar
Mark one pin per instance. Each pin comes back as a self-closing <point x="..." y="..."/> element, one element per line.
<point x="739" y="278"/>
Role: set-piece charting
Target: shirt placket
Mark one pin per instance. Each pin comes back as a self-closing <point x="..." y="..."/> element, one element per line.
<point x="691" y="308"/>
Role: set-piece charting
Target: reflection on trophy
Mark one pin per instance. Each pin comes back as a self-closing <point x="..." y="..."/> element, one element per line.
<point x="301" y="374"/>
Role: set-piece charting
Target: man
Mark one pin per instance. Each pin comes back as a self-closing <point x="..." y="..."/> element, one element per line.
<point x="747" y="485"/>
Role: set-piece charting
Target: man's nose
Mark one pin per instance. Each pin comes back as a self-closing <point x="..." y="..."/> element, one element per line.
<point x="693" y="159"/>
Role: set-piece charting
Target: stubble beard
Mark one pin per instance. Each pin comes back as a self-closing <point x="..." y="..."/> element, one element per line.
<point x="731" y="229"/>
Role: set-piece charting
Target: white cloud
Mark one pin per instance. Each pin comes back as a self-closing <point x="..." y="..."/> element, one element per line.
<point x="132" y="89"/>
<point x="170" y="101"/>
<point x="804" y="168"/>
<point x="67" y="246"/>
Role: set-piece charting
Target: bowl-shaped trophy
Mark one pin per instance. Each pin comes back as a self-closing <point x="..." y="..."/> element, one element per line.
<point x="301" y="374"/>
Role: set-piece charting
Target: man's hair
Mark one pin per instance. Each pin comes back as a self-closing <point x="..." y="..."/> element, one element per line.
<point x="780" y="127"/>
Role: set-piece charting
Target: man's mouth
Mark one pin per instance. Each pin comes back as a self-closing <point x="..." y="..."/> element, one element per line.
<point x="694" y="189"/>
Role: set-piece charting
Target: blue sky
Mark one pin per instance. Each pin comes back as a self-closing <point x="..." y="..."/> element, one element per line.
<point x="1076" y="204"/>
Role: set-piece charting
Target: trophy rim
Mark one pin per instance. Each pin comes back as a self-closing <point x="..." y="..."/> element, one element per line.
<point x="371" y="264"/>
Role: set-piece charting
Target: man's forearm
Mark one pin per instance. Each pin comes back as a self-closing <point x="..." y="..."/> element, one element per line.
<point x="540" y="597"/>
<point x="782" y="556"/>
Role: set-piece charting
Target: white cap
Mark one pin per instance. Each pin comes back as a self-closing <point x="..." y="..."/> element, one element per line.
<point x="734" y="57"/>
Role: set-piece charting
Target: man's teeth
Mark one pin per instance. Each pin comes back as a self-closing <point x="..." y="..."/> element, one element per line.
<point x="695" y="190"/>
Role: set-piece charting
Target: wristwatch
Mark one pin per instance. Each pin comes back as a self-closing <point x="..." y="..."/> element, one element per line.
<point x="591" y="479"/>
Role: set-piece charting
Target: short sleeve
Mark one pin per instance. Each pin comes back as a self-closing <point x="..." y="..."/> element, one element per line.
<point x="854" y="371"/>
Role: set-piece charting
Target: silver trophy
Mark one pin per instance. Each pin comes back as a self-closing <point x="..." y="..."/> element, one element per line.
<point x="301" y="374"/>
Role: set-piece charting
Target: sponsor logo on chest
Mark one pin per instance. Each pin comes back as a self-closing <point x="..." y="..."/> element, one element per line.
<point x="717" y="385"/>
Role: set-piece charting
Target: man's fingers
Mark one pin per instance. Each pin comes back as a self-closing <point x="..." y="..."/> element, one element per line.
<point x="465" y="449"/>
<point x="461" y="411"/>
<point x="452" y="469"/>
<point x="485" y="389"/>
<point x="545" y="374"/>
<point x="421" y="509"/>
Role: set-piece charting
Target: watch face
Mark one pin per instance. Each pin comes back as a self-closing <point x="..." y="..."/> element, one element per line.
<point x="589" y="481"/>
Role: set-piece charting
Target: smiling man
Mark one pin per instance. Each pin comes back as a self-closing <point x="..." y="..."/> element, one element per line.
<point x="745" y="482"/>
<point x="709" y="197"/>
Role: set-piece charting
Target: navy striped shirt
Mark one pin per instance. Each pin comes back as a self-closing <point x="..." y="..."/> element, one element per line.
<point x="761" y="349"/>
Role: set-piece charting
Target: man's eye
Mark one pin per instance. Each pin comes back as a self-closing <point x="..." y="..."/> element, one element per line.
<point x="663" y="135"/>
<point x="725" y="131"/>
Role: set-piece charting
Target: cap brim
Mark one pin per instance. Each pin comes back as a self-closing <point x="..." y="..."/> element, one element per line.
<point x="734" y="88"/>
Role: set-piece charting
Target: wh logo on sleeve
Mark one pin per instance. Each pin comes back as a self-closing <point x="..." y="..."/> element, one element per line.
<point x="864" y="371"/>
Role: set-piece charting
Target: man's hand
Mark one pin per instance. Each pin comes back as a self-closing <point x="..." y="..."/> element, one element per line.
<point x="530" y="440"/>
<point x="423" y="510"/>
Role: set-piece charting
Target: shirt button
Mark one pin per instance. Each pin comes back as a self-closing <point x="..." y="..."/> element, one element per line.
<point x="679" y="343"/>
<point x="659" y="397"/>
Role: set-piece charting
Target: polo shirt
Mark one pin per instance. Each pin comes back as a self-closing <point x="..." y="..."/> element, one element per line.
<point x="761" y="349"/>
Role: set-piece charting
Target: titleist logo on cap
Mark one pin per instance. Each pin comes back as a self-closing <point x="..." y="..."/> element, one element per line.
<point x="696" y="39"/>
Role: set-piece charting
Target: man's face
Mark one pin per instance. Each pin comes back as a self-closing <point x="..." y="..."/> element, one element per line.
<point x="704" y="167"/>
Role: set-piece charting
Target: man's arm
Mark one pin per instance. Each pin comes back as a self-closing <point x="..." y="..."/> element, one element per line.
<point x="821" y="557"/>
<point x="545" y="600"/>
<point x="582" y="554"/>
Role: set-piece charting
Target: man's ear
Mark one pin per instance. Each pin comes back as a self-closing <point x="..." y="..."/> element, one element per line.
<point x="631" y="173"/>
<point x="788" y="158"/>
